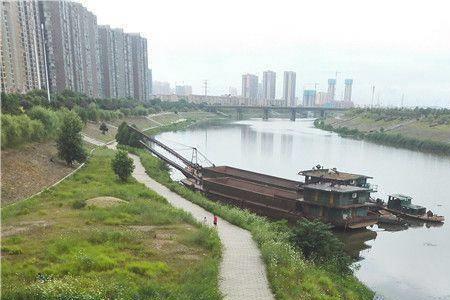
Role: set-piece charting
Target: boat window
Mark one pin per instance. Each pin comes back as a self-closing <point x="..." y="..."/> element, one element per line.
<point x="354" y="195"/>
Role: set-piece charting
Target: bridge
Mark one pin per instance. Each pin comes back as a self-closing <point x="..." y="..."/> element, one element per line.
<point x="265" y="109"/>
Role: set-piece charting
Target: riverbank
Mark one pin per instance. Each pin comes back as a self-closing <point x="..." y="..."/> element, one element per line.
<point x="409" y="133"/>
<point x="63" y="244"/>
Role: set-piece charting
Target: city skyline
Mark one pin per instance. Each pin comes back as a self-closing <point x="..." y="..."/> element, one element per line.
<point x="367" y="44"/>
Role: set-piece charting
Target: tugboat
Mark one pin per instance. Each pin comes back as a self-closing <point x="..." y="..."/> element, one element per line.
<point x="401" y="205"/>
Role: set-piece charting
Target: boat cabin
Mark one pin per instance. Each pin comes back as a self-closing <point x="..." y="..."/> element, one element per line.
<point x="340" y="205"/>
<point x="403" y="203"/>
<point x="335" y="176"/>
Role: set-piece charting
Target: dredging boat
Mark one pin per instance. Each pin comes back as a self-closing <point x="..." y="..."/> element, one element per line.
<point x="401" y="205"/>
<point x="334" y="197"/>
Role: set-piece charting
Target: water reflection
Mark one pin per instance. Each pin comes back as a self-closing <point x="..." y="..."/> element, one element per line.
<point x="286" y="145"/>
<point x="267" y="143"/>
<point x="249" y="139"/>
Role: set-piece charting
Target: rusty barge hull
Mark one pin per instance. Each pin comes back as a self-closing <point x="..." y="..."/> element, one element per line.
<point x="266" y="200"/>
<point x="273" y="181"/>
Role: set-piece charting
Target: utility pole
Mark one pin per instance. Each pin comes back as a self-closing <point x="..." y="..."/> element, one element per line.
<point x="205" y="85"/>
<point x="45" y="63"/>
<point x="315" y="93"/>
<point x="403" y="98"/>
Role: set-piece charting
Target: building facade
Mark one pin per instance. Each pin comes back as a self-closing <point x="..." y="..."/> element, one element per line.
<point x="183" y="90"/>
<point x="61" y="41"/>
<point x="269" y="86"/>
<point x="289" y="83"/>
<point x="250" y="88"/>
<point x="309" y="98"/>
<point x="348" y="90"/>
<point x="21" y="47"/>
<point x="331" y="89"/>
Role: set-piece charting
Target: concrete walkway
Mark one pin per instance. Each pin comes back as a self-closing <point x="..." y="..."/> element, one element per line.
<point x="242" y="271"/>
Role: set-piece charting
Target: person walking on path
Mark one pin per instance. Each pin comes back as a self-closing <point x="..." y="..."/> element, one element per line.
<point x="204" y="221"/>
<point x="215" y="220"/>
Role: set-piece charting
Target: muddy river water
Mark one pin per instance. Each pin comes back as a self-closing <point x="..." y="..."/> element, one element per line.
<point x="396" y="263"/>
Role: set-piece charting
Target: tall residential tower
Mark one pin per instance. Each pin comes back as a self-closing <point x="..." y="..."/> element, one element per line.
<point x="289" y="88"/>
<point x="269" y="86"/>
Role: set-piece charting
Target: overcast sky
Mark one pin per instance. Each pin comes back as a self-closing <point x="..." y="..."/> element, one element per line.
<point x="400" y="46"/>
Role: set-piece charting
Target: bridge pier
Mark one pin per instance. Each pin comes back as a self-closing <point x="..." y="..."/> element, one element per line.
<point x="293" y="114"/>
<point x="265" y="113"/>
<point x="322" y="113"/>
<point x="239" y="115"/>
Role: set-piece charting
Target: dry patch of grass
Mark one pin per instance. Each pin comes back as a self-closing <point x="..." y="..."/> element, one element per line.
<point x="28" y="170"/>
<point x="104" y="201"/>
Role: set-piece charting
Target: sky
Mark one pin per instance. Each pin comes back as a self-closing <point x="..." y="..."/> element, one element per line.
<point x="401" y="47"/>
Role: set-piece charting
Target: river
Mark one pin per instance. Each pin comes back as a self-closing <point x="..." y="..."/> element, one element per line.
<point x="397" y="264"/>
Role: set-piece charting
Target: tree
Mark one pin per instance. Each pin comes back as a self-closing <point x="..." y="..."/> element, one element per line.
<point x="103" y="128"/>
<point x="122" y="165"/>
<point x="318" y="243"/>
<point x="122" y="134"/>
<point x="70" y="142"/>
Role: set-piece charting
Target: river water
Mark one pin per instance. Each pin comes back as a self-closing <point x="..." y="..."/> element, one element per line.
<point x="397" y="264"/>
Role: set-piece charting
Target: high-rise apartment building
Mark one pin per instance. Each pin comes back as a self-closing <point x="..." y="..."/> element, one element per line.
<point x="348" y="90"/>
<point x="107" y="65"/>
<point x="22" y="67"/>
<point x="183" y="90"/>
<point x="250" y="88"/>
<point x="321" y="98"/>
<point x="80" y="55"/>
<point x="269" y="86"/>
<point x="309" y="98"/>
<point x="161" y="88"/>
<point x="289" y="88"/>
<point x="331" y="89"/>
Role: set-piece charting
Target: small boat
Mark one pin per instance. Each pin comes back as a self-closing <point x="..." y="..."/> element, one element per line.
<point x="401" y="205"/>
<point x="387" y="217"/>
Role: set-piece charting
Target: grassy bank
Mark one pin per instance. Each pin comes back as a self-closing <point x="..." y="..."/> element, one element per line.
<point x="290" y="275"/>
<point x="390" y="138"/>
<point x="54" y="246"/>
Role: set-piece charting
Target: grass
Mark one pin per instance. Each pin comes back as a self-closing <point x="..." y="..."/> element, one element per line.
<point x="290" y="275"/>
<point x="140" y="249"/>
<point x="391" y="138"/>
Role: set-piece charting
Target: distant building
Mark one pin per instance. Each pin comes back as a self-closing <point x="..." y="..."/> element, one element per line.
<point x="161" y="88"/>
<point x="232" y="91"/>
<point x="321" y="98"/>
<point x="348" y="90"/>
<point x="331" y="89"/>
<point x="150" y="82"/>
<point x="289" y="88"/>
<point x="250" y="87"/>
<point x="309" y="97"/>
<point x="183" y="90"/>
<point x="269" y="86"/>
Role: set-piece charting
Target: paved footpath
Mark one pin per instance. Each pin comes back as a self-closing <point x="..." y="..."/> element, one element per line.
<point x="242" y="271"/>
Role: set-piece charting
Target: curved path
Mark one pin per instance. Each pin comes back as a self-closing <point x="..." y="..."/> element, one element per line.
<point x="242" y="271"/>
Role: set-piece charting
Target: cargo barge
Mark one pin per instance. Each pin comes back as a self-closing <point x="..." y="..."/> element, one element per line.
<point x="336" y="198"/>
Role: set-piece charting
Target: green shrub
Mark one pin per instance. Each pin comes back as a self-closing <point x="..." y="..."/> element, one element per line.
<point x="122" y="165"/>
<point x="20" y="129"/>
<point x="49" y="118"/>
<point x="78" y="204"/>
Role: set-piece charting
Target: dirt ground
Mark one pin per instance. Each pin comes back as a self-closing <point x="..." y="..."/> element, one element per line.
<point x="30" y="169"/>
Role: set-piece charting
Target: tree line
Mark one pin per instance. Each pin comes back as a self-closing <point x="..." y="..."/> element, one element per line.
<point x="31" y="117"/>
